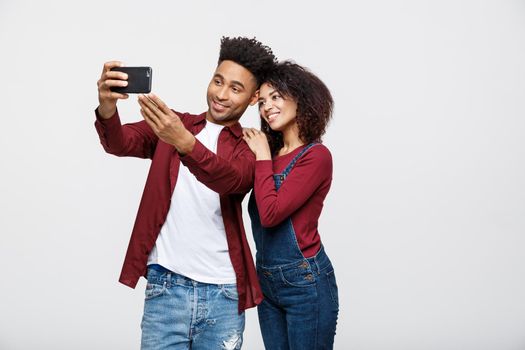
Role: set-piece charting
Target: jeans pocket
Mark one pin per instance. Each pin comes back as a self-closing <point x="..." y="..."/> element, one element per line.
<point x="154" y="290"/>
<point x="230" y="292"/>
<point x="298" y="278"/>
<point x="332" y="285"/>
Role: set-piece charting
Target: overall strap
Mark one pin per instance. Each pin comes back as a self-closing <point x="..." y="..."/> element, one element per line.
<point x="294" y="160"/>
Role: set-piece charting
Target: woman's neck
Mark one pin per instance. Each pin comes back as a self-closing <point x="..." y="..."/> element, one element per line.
<point x="291" y="140"/>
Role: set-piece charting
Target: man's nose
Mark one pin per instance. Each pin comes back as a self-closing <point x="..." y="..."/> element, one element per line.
<point x="222" y="93"/>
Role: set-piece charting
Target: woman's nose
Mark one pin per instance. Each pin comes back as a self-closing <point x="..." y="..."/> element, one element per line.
<point x="267" y="105"/>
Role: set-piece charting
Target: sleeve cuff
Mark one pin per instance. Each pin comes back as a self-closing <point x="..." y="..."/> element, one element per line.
<point x="196" y="155"/>
<point x="114" y="119"/>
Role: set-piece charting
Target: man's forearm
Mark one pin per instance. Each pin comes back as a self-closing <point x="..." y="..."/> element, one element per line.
<point x="135" y="139"/>
<point x="221" y="175"/>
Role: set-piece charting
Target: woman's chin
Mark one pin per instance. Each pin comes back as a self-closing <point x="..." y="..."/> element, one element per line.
<point x="275" y="127"/>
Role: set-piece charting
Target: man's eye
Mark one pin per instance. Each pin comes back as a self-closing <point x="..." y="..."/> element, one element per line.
<point x="217" y="82"/>
<point x="234" y="89"/>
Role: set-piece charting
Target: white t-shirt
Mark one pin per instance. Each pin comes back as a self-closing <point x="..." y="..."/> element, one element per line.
<point x="192" y="242"/>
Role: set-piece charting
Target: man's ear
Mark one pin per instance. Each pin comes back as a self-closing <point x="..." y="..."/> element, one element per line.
<point x="254" y="98"/>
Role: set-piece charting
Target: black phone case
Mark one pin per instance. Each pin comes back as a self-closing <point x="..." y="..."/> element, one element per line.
<point x="139" y="80"/>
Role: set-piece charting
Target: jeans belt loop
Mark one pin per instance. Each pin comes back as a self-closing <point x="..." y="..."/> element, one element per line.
<point x="168" y="280"/>
<point x="318" y="269"/>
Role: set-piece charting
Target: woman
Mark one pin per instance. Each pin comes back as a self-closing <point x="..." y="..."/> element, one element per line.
<point x="292" y="177"/>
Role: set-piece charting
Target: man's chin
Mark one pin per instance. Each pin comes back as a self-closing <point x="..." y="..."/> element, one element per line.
<point x="217" y="117"/>
<point x="222" y="118"/>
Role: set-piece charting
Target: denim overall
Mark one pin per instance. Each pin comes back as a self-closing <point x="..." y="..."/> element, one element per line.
<point x="300" y="305"/>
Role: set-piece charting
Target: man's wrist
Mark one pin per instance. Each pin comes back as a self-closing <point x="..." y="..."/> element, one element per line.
<point x="106" y="112"/>
<point x="186" y="144"/>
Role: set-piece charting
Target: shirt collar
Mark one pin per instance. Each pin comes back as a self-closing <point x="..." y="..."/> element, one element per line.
<point x="235" y="129"/>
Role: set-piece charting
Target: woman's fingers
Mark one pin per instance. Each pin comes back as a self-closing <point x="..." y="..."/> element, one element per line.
<point x="253" y="132"/>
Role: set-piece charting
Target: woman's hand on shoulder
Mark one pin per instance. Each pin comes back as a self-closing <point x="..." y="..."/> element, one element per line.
<point x="257" y="142"/>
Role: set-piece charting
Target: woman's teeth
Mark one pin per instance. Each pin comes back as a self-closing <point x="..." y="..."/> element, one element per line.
<point x="272" y="116"/>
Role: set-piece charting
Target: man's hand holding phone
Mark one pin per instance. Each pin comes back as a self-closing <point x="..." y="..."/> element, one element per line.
<point x="107" y="99"/>
<point x="117" y="81"/>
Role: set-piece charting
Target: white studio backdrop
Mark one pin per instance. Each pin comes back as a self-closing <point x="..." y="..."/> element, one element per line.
<point x="425" y="222"/>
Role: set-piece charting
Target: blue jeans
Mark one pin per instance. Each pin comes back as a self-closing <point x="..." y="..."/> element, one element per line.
<point x="300" y="306"/>
<point x="180" y="313"/>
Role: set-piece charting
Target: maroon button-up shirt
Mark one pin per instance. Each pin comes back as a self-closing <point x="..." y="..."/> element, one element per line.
<point x="230" y="173"/>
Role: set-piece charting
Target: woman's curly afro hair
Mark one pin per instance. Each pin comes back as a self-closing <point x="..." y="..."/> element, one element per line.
<point x="314" y="102"/>
<point x="249" y="53"/>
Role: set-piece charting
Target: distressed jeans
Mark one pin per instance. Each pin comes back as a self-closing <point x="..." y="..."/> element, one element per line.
<point x="180" y="313"/>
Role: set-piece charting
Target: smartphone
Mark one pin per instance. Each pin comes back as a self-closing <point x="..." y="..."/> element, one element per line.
<point x="139" y="80"/>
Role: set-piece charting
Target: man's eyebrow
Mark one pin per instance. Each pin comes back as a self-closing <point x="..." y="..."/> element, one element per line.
<point x="233" y="82"/>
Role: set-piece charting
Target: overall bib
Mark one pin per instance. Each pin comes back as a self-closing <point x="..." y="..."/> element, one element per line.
<point x="300" y="305"/>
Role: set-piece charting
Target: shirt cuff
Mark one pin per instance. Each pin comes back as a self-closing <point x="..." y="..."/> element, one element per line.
<point x="196" y="155"/>
<point x="113" y="120"/>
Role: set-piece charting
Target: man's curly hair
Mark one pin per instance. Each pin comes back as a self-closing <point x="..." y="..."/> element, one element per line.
<point x="249" y="53"/>
<point x="314" y="102"/>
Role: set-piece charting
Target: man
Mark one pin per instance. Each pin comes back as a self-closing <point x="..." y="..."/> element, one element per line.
<point x="188" y="237"/>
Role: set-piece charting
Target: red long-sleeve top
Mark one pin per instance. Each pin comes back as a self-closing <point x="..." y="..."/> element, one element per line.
<point x="230" y="173"/>
<point x="300" y="196"/>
